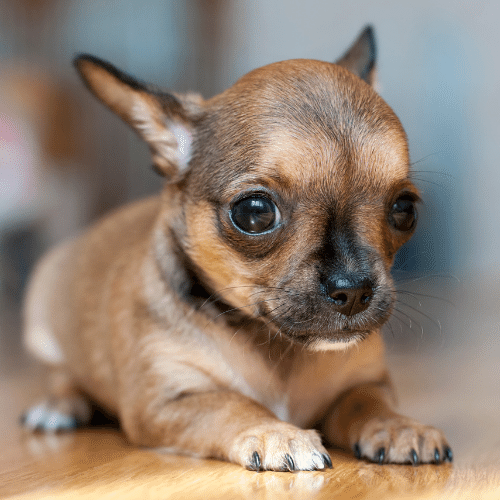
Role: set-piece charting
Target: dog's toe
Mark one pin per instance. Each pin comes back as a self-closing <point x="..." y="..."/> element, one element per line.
<point x="401" y="440"/>
<point x="280" y="447"/>
<point x="54" y="416"/>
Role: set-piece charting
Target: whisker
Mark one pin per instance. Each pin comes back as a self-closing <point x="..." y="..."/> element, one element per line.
<point x="407" y="261"/>
<point x="420" y="278"/>
<point x="401" y="323"/>
<point x="239" y="308"/>
<point x="434" y="321"/>
<point x="280" y="328"/>
<point x="409" y="318"/>
<point x="413" y="294"/>
<point x="435" y="172"/>
<point x="217" y="295"/>
<point x="250" y="319"/>
<point x="213" y="297"/>
<point x="283" y="354"/>
<point x="439" y="185"/>
<point x="272" y="319"/>
<point x="425" y="158"/>
<point x="389" y="325"/>
<point x="218" y="292"/>
<point x="238" y="330"/>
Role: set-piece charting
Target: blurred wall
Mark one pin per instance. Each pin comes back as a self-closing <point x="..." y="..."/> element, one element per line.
<point x="64" y="158"/>
<point x="437" y="68"/>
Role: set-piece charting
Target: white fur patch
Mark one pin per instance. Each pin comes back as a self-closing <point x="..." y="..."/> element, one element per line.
<point x="42" y="343"/>
<point x="327" y="345"/>
<point x="170" y="141"/>
<point x="48" y="419"/>
<point x="184" y="140"/>
<point x="280" y="409"/>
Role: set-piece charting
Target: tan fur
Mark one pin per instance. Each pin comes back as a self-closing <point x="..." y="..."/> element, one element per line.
<point x="210" y="341"/>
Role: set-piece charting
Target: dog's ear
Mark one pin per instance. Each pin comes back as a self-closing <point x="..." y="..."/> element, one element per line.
<point x="360" y="58"/>
<point x="164" y="121"/>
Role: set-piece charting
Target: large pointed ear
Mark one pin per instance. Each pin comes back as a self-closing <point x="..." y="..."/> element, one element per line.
<point x="360" y="58"/>
<point x="164" y="121"/>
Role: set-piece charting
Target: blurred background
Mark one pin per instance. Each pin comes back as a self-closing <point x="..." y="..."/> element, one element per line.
<point x="65" y="160"/>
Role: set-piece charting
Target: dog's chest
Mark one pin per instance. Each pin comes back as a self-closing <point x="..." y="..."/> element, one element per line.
<point x="298" y="389"/>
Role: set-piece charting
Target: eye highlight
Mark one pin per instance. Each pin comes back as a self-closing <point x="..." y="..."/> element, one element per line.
<point x="255" y="214"/>
<point x="403" y="214"/>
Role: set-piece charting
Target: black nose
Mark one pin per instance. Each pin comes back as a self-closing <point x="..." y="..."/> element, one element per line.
<point x="350" y="296"/>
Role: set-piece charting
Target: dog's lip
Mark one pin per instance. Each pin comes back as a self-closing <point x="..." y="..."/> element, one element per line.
<point x="330" y="336"/>
<point x="311" y="340"/>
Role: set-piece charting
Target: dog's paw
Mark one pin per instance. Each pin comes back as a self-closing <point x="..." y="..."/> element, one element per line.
<point x="401" y="440"/>
<point x="279" y="446"/>
<point x="54" y="416"/>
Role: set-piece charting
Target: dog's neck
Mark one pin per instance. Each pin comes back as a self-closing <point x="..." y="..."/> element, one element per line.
<point x="182" y="276"/>
<point x="191" y="286"/>
<point x="191" y="291"/>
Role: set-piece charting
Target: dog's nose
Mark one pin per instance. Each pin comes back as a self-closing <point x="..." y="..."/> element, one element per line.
<point x="350" y="296"/>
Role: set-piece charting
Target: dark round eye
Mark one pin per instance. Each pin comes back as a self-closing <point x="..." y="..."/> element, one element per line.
<point x="403" y="214"/>
<point x="255" y="214"/>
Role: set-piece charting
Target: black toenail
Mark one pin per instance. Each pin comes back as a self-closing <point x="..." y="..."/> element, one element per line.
<point x="414" y="457"/>
<point x="290" y="465"/>
<point x="437" y="458"/>
<point x="379" y="457"/>
<point x="448" y="454"/>
<point x="327" y="461"/>
<point x="255" y="463"/>
<point x="357" y="451"/>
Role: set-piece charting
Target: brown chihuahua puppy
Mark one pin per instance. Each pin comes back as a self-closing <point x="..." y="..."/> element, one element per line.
<point x="244" y="304"/>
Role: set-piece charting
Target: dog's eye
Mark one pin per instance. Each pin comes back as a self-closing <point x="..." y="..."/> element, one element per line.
<point x="403" y="214"/>
<point x="255" y="214"/>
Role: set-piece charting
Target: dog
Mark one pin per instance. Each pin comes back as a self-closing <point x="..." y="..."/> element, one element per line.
<point x="237" y="315"/>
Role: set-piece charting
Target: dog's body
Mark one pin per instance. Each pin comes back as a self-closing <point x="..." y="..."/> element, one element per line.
<point x="219" y="318"/>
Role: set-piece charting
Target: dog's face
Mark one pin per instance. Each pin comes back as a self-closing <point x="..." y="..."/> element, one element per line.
<point x="294" y="191"/>
<point x="298" y="199"/>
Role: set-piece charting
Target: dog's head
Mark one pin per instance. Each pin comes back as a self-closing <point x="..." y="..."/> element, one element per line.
<point x="294" y="189"/>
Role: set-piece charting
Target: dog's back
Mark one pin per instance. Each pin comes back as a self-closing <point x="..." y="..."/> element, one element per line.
<point x="68" y="294"/>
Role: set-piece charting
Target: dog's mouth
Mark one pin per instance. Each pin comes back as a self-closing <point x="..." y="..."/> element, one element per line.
<point x="313" y="324"/>
<point x="332" y="337"/>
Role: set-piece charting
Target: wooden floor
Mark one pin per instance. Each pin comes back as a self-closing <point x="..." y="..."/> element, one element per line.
<point x="447" y="375"/>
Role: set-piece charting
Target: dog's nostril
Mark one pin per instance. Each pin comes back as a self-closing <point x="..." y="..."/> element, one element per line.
<point x="339" y="298"/>
<point x="350" y="297"/>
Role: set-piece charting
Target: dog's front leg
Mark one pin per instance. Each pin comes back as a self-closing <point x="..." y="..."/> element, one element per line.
<point x="362" y="419"/>
<point x="227" y="425"/>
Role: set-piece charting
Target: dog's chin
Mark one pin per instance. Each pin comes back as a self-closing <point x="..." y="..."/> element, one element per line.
<point x="340" y="342"/>
<point x="323" y="345"/>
